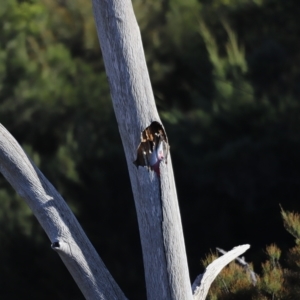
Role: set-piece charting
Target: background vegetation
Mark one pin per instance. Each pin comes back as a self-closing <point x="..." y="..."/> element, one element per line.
<point x="226" y="76"/>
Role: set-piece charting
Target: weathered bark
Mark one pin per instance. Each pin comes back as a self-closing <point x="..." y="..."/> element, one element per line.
<point x="67" y="237"/>
<point x="165" y="263"/>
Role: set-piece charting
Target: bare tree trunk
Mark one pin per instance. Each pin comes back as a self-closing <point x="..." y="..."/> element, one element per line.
<point x="164" y="255"/>
<point x="67" y="237"/>
<point x="150" y="168"/>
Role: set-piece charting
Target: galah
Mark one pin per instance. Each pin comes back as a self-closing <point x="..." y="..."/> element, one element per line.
<point x="157" y="154"/>
<point x="153" y="148"/>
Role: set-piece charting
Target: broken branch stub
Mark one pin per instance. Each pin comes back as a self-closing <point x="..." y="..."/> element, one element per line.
<point x="153" y="148"/>
<point x="243" y="263"/>
<point x="203" y="282"/>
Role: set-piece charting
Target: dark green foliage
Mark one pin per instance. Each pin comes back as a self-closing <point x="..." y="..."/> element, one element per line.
<point x="274" y="282"/>
<point x="226" y="79"/>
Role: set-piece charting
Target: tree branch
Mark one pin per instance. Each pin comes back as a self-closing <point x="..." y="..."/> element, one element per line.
<point x="203" y="282"/>
<point x="67" y="237"/>
<point x="241" y="261"/>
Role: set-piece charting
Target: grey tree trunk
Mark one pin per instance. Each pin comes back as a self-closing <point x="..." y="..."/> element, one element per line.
<point x="67" y="237"/>
<point x="165" y="262"/>
<point x="150" y="168"/>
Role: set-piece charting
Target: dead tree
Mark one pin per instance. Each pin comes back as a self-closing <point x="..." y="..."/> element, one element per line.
<point x="149" y="163"/>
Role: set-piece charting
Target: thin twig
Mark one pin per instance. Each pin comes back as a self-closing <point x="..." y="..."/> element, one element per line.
<point x="241" y="261"/>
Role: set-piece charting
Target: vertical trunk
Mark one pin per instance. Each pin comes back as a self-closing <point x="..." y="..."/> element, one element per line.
<point x="165" y="262"/>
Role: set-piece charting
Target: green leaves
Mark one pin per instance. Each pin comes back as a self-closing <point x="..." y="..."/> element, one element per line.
<point x="291" y="223"/>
